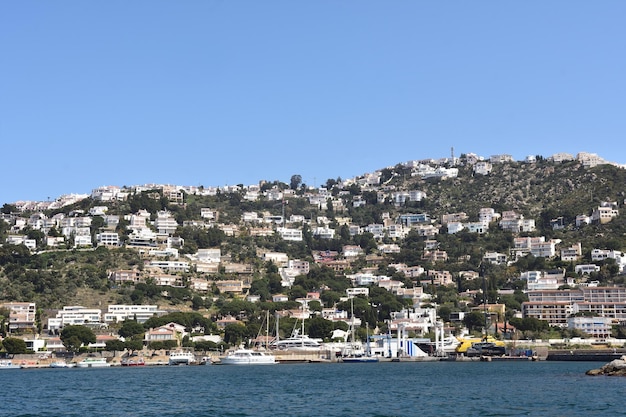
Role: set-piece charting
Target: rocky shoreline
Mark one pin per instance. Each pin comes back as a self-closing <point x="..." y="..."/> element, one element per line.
<point x="616" y="367"/>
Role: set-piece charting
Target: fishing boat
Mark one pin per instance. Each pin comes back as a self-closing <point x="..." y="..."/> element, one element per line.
<point x="93" y="363"/>
<point x="248" y="357"/>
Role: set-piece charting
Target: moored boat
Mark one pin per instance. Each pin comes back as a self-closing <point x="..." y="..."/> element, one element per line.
<point x="181" y="357"/>
<point x="8" y="364"/>
<point x="93" y="363"/>
<point x="61" y="364"/>
<point x="467" y="343"/>
<point x="248" y="357"/>
<point x="133" y="362"/>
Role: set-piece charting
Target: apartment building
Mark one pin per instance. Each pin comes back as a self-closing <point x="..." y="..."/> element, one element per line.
<point x="556" y="306"/>
<point x="22" y="317"/>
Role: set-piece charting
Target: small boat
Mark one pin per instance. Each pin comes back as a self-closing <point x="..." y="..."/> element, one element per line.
<point x="359" y="359"/>
<point x="248" y="357"/>
<point x="181" y="357"/>
<point x="133" y="362"/>
<point x="61" y="364"/>
<point x="93" y="363"/>
<point x="7" y="364"/>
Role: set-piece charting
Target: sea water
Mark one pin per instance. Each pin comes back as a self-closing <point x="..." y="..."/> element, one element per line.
<point x="333" y="390"/>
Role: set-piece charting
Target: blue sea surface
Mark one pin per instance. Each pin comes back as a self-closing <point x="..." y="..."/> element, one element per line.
<point x="333" y="390"/>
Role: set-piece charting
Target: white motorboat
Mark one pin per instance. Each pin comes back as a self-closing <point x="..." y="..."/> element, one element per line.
<point x="93" y="363"/>
<point x="181" y="357"/>
<point x="61" y="364"/>
<point x="248" y="357"/>
<point x="7" y="364"/>
<point x="296" y="342"/>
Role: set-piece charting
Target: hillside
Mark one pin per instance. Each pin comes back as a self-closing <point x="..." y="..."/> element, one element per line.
<point x="543" y="191"/>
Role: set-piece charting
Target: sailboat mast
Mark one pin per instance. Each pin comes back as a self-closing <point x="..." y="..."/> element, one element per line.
<point x="267" y="330"/>
<point x="367" y="338"/>
<point x="302" y="334"/>
<point x="352" y="320"/>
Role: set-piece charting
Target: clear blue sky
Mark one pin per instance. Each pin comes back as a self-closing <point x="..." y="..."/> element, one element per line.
<point x="226" y="92"/>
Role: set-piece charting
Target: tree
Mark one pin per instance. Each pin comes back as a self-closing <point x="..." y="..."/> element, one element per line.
<point x="8" y="209"/>
<point x="444" y="312"/>
<point x="318" y="327"/>
<point x="197" y="302"/>
<point x="14" y="345"/>
<point x="114" y="346"/>
<point x="474" y="319"/>
<point x="134" y="343"/>
<point x="295" y="181"/>
<point x="131" y="328"/>
<point x="73" y="337"/>
<point x="234" y="333"/>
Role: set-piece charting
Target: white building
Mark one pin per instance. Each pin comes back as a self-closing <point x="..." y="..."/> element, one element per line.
<point x="108" y="239"/>
<point x="170" y="266"/>
<point x="117" y="313"/>
<point x="586" y="269"/>
<point x="294" y="235"/>
<point x="75" y="315"/>
<point x="598" y="327"/>
<point x="165" y="223"/>
<point x="209" y="255"/>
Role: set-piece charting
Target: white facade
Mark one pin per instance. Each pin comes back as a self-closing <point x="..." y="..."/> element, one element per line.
<point x="278" y="258"/>
<point x="108" y="239"/>
<point x="171" y="266"/>
<point x="165" y="223"/>
<point x="120" y="312"/>
<point x="74" y="315"/>
<point x="210" y="255"/>
<point x="294" y="235"/>
<point x="599" y="327"/>
<point x="586" y="269"/>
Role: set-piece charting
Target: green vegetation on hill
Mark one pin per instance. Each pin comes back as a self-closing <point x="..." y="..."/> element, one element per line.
<point x="542" y="191"/>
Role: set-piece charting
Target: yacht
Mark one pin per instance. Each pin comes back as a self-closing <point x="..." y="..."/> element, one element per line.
<point x="248" y="357"/>
<point x="93" y="363"/>
<point x="181" y="357"/>
<point x="446" y="346"/>
<point x="296" y="342"/>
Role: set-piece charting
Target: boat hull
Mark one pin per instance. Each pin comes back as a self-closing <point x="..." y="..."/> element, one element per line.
<point x="360" y="360"/>
<point x="248" y="357"/>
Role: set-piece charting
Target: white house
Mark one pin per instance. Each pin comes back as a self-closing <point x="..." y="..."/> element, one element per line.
<point x="586" y="269"/>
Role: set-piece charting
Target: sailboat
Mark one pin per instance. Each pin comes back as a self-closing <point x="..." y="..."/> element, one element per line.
<point x="355" y="353"/>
